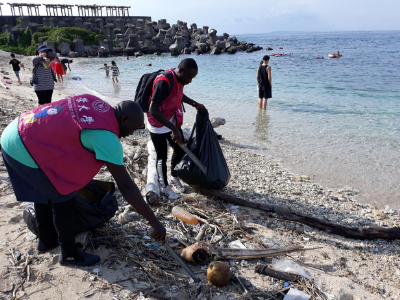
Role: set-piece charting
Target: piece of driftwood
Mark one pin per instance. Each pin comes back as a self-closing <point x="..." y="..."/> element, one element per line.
<point x="198" y="252"/>
<point x="255" y="253"/>
<point x="367" y="233"/>
<point x="264" y="269"/>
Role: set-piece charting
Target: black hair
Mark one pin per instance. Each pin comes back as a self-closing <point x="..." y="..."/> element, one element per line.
<point x="12" y="55"/>
<point x="188" y="64"/>
<point x="113" y="63"/>
<point x="70" y="61"/>
<point x="261" y="62"/>
<point x="105" y="64"/>
<point x="266" y="57"/>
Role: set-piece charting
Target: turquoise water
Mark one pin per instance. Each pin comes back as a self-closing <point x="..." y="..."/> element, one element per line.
<point x="336" y="120"/>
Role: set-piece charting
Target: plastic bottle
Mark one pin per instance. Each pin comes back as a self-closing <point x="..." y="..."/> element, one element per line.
<point x="184" y="215"/>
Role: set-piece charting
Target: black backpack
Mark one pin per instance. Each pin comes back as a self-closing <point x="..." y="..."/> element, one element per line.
<point x="144" y="88"/>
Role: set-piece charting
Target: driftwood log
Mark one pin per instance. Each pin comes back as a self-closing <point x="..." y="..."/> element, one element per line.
<point x="264" y="269"/>
<point x="198" y="252"/>
<point x="366" y="233"/>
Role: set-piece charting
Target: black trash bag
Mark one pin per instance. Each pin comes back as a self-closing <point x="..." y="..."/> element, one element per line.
<point x="204" y="144"/>
<point x="95" y="205"/>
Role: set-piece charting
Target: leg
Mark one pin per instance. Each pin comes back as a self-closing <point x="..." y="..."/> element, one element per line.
<point x="113" y="79"/>
<point x="19" y="79"/>
<point x="63" y="215"/>
<point x="160" y="144"/>
<point x="49" y="95"/>
<point x="260" y="96"/>
<point x="265" y="103"/>
<point x="116" y="78"/>
<point x="47" y="232"/>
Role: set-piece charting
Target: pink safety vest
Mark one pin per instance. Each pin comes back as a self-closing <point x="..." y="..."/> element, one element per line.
<point x="51" y="134"/>
<point x="172" y="104"/>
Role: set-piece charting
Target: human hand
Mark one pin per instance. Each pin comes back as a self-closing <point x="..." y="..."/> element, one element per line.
<point x="158" y="232"/>
<point x="177" y="136"/>
<point x="199" y="106"/>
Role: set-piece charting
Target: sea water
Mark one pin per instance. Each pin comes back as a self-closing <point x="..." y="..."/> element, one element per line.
<point x="335" y="120"/>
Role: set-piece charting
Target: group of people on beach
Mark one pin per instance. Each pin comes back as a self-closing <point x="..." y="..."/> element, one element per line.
<point x="47" y="68"/>
<point x="56" y="149"/>
<point x="114" y="71"/>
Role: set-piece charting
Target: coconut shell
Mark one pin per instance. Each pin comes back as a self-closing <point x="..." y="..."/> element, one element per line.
<point x="218" y="273"/>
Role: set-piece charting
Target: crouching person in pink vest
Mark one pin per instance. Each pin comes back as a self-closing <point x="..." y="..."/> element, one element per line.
<point x="56" y="149"/>
<point x="165" y="116"/>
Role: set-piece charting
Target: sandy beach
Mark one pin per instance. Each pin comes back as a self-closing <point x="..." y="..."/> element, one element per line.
<point x="348" y="269"/>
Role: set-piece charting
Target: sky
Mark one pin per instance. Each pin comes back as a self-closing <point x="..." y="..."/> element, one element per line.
<point x="262" y="16"/>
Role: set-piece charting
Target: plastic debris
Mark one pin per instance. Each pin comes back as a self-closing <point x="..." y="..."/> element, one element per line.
<point x="294" y="294"/>
<point x="96" y="271"/>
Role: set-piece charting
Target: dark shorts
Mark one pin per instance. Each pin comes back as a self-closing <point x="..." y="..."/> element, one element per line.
<point x="264" y="92"/>
<point x="31" y="184"/>
<point x="16" y="73"/>
<point x="44" y="97"/>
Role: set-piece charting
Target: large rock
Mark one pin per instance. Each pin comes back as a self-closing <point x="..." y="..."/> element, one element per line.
<point x="87" y="25"/>
<point x="103" y="53"/>
<point x="205" y="29"/>
<point x="187" y="50"/>
<point x="160" y="24"/>
<point x="141" y="35"/>
<point x="109" y="31"/>
<point x="51" y="45"/>
<point x="193" y="27"/>
<point x="215" y="50"/>
<point x="33" y="27"/>
<point x="15" y="34"/>
<point x="173" y="30"/>
<point x="174" y="49"/>
<point x="198" y="52"/>
<point x="100" y="24"/>
<point x="157" y="43"/>
<point x="131" y="29"/>
<point x="168" y="41"/>
<point x="149" y="29"/>
<point x="120" y="23"/>
<point x="78" y="22"/>
<point x="73" y="55"/>
<point x="64" y="48"/>
<point x="24" y="22"/>
<point x="180" y="42"/>
<point x="109" y="46"/>
<point x="220" y="45"/>
<point x="78" y="46"/>
<point x="140" y="24"/>
<point x="161" y="34"/>
<point x="212" y="37"/>
<point x="6" y="28"/>
<point x="133" y="42"/>
<point x="232" y="50"/>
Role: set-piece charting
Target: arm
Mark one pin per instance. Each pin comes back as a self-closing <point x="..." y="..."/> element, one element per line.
<point x="257" y="75"/>
<point x="269" y="75"/>
<point x="37" y="59"/>
<point x="132" y="194"/>
<point x="186" y="99"/>
<point x="69" y="68"/>
<point x="155" y="111"/>
<point x="118" y="71"/>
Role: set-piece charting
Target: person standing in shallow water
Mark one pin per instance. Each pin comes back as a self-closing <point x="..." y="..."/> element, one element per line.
<point x="264" y="81"/>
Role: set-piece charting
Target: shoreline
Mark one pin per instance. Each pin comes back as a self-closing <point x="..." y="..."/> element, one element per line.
<point x="349" y="269"/>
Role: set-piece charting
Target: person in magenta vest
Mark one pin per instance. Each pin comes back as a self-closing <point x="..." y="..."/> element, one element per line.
<point x="164" y="121"/>
<point x="56" y="149"/>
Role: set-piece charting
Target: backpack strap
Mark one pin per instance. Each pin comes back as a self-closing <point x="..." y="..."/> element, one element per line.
<point x="164" y="76"/>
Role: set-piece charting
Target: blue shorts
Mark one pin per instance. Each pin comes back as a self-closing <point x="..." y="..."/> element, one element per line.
<point x="31" y="184"/>
<point x="16" y="73"/>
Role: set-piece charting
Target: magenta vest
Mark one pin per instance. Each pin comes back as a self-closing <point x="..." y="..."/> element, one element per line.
<point x="51" y="134"/>
<point x="172" y="104"/>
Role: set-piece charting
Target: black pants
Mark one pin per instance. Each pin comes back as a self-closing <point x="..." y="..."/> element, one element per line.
<point x="55" y="222"/>
<point x="44" y="97"/>
<point x="160" y="144"/>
